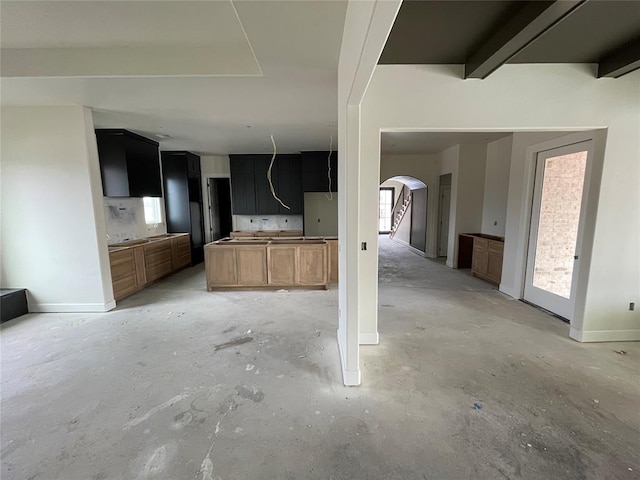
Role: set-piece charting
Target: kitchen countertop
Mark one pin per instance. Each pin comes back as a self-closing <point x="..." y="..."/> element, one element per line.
<point x="115" y="247"/>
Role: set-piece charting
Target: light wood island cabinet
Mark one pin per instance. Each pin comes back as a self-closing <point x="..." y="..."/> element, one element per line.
<point x="266" y="263"/>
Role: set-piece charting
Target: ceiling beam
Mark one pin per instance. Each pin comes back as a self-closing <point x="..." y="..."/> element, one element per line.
<point x="621" y="61"/>
<point x="530" y="21"/>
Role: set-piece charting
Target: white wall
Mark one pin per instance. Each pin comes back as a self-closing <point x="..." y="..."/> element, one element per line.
<point x="125" y="219"/>
<point x="527" y="98"/>
<point x="496" y="186"/>
<point x="54" y="240"/>
<point x="469" y="192"/>
<point x="320" y="214"/>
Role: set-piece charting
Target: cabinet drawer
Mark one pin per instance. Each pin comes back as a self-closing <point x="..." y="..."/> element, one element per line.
<point x="480" y="243"/>
<point x="159" y="270"/>
<point x="496" y="246"/>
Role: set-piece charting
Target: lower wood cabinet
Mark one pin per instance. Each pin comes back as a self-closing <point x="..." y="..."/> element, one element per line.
<point x="267" y="264"/>
<point x="487" y="259"/>
<point x="282" y="264"/>
<point x="251" y="265"/>
<point x="312" y="264"/>
<point x="333" y="259"/>
<point x="133" y="267"/>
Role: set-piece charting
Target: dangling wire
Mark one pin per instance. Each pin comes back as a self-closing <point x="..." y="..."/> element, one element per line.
<point x="273" y="191"/>
<point x="330" y="196"/>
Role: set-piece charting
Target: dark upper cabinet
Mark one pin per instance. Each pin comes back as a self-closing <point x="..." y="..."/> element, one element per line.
<point x="250" y="190"/>
<point x="316" y="172"/>
<point x="129" y="164"/>
<point x="243" y="189"/>
<point x="183" y="198"/>
<point x="289" y="184"/>
<point x="265" y="203"/>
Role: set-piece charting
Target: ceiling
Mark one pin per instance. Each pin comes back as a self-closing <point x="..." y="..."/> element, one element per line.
<point x="496" y="32"/>
<point x="216" y="77"/>
<point x="433" y="142"/>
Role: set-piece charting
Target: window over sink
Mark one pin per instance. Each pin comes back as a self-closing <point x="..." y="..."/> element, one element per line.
<point x="152" y="211"/>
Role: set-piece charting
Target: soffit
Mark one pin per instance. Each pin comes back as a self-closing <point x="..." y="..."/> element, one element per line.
<point x="433" y="142"/>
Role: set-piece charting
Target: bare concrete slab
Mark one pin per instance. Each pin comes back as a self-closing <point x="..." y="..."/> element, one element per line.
<point x="179" y="383"/>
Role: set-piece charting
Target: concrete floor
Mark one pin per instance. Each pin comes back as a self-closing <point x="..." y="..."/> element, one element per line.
<point x="178" y="383"/>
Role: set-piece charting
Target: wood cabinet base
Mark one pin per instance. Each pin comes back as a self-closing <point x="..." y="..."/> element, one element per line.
<point x="139" y="265"/>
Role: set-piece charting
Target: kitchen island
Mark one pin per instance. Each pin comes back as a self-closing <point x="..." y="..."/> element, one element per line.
<point x="269" y="263"/>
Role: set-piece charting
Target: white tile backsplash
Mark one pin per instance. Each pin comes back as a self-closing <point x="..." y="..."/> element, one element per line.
<point x="267" y="222"/>
<point x="125" y="220"/>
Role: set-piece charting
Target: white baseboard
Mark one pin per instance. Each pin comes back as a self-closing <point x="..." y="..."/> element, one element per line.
<point x="408" y="245"/>
<point x="350" y="378"/>
<point x="449" y="264"/>
<point x="509" y="291"/>
<point x="604" y="335"/>
<point x="71" y="307"/>
<point x="369" y="338"/>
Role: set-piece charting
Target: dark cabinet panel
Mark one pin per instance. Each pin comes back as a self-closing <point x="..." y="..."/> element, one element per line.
<point x="183" y="199"/>
<point x="316" y="173"/>
<point x="243" y="190"/>
<point x="289" y="183"/>
<point x="251" y="193"/>
<point x="129" y="164"/>
<point x="265" y="203"/>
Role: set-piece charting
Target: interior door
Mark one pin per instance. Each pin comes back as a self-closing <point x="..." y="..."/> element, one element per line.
<point x="445" y="205"/>
<point x="555" y="234"/>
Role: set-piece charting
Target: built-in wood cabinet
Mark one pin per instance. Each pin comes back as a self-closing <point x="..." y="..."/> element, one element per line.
<point x="333" y="259"/>
<point x="282" y="264"/>
<point x="123" y="273"/>
<point x="138" y="263"/>
<point x="129" y="164"/>
<point x="270" y="264"/>
<point x="486" y="259"/>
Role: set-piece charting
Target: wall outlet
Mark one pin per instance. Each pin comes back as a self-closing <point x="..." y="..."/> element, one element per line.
<point x="632" y="306"/>
<point x="495" y="222"/>
<point x="363" y="246"/>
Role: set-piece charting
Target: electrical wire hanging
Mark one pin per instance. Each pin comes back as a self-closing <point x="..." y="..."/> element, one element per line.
<point x="273" y="191"/>
<point x="330" y="195"/>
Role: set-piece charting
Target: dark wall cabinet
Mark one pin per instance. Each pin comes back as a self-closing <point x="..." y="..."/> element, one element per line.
<point x="316" y="174"/>
<point x="183" y="198"/>
<point x="129" y="164"/>
<point x="250" y="191"/>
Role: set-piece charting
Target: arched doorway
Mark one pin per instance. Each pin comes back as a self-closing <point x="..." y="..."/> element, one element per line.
<point x="403" y="211"/>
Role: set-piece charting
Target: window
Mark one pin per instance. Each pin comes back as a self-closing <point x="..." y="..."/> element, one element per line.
<point x="386" y="207"/>
<point x="152" y="214"/>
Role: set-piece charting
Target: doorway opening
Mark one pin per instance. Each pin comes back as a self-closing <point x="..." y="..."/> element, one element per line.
<point x="220" y="217"/>
<point x="553" y="256"/>
<point x="444" y="210"/>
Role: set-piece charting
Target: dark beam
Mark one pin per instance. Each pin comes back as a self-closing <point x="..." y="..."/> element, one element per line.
<point x="621" y="61"/>
<point x="531" y="20"/>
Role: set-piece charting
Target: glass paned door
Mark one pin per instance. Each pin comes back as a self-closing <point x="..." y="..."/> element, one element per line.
<point x="384" y="213"/>
<point x="554" y="237"/>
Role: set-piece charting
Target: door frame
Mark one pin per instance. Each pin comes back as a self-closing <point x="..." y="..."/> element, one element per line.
<point x="206" y="203"/>
<point x="440" y="217"/>
<point x="517" y="245"/>
<point x="566" y="310"/>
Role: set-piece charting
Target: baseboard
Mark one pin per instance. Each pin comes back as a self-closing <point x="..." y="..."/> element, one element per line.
<point x="509" y="291"/>
<point x="72" y="307"/>
<point x="369" y="338"/>
<point x="408" y="245"/>
<point x="449" y="264"/>
<point x="350" y="378"/>
<point x="604" y="335"/>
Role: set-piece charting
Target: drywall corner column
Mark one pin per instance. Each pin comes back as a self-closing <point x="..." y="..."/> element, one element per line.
<point x="100" y="222"/>
<point x="52" y="230"/>
<point x="367" y="26"/>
